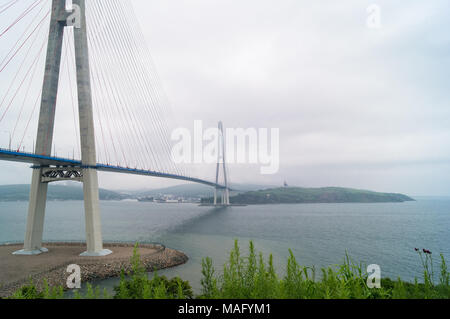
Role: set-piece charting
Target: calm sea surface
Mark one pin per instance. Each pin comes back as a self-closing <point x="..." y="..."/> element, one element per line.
<point x="318" y="234"/>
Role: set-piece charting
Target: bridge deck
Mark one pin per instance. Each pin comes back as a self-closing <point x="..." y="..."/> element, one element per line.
<point x="41" y="160"/>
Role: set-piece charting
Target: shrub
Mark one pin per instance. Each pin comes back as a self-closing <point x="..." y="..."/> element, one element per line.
<point x="31" y="292"/>
<point x="139" y="286"/>
<point x="250" y="277"/>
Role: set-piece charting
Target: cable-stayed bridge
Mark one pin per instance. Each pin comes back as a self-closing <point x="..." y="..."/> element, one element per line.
<point x="60" y="166"/>
<point x="82" y="77"/>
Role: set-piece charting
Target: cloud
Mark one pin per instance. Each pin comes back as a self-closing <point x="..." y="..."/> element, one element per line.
<point x="352" y="103"/>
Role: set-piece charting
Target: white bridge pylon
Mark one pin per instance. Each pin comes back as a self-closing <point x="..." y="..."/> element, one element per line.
<point x="86" y="173"/>
<point x="221" y="163"/>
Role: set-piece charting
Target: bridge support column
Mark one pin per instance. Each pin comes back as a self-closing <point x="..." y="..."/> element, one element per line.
<point x="39" y="186"/>
<point x="227" y="197"/>
<point x="36" y="215"/>
<point x="38" y="192"/>
<point x="221" y="162"/>
<point x="94" y="239"/>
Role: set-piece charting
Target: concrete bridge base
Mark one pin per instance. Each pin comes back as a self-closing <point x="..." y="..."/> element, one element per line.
<point x="24" y="252"/>
<point x="101" y="253"/>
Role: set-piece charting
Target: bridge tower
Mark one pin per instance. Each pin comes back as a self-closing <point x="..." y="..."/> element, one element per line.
<point x="86" y="173"/>
<point x="221" y="162"/>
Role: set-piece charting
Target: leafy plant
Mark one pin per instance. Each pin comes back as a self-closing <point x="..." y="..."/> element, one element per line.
<point x="137" y="285"/>
<point x="252" y="277"/>
<point x="31" y="292"/>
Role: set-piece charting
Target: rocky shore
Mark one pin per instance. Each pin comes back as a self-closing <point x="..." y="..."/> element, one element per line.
<point x="16" y="271"/>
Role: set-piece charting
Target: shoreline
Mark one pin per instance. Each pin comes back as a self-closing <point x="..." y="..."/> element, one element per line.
<point x="52" y="266"/>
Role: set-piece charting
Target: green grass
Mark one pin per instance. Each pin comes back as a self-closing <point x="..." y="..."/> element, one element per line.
<point x="139" y="286"/>
<point x="253" y="277"/>
<point x="31" y="292"/>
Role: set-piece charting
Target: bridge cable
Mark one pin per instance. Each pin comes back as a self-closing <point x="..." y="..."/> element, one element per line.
<point x="105" y="94"/>
<point x="29" y="119"/>
<point x="23" y="43"/>
<point x="119" y="99"/>
<point x="24" y="14"/>
<point x="160" y="95"/>
<point x="116" y="90"/>
<point x="108" y="91"/>
<point x="22" y="64"/>
<point x="26" y="93"/>
<point x="144" y="79"/>
<point x="9" y="5"/>
<point x="135" y="83"/>
<point x="28" y="27"/>
<point x="127" y="114"/>
<point x="21" y="83"/>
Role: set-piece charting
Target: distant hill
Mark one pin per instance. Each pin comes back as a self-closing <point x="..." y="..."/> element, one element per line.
<point x="14" y="193"/>
<point x="193" y="190"/>
<point x="297" y="195"/>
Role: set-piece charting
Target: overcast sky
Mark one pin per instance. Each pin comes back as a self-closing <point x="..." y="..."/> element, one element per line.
<point x="356" y="107"/>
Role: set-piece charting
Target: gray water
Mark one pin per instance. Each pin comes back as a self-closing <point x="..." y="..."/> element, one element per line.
<point x="318" y="234"/>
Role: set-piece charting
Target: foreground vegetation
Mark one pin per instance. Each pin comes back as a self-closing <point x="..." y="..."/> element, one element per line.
<point x="253" y="277"/>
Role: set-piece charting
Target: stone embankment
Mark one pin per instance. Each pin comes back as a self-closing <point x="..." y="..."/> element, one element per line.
<point x="16" y="271"/>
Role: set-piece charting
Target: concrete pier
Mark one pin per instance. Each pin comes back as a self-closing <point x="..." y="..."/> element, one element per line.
<point x="88" y="152"/>
<point x="38" y="193"/>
